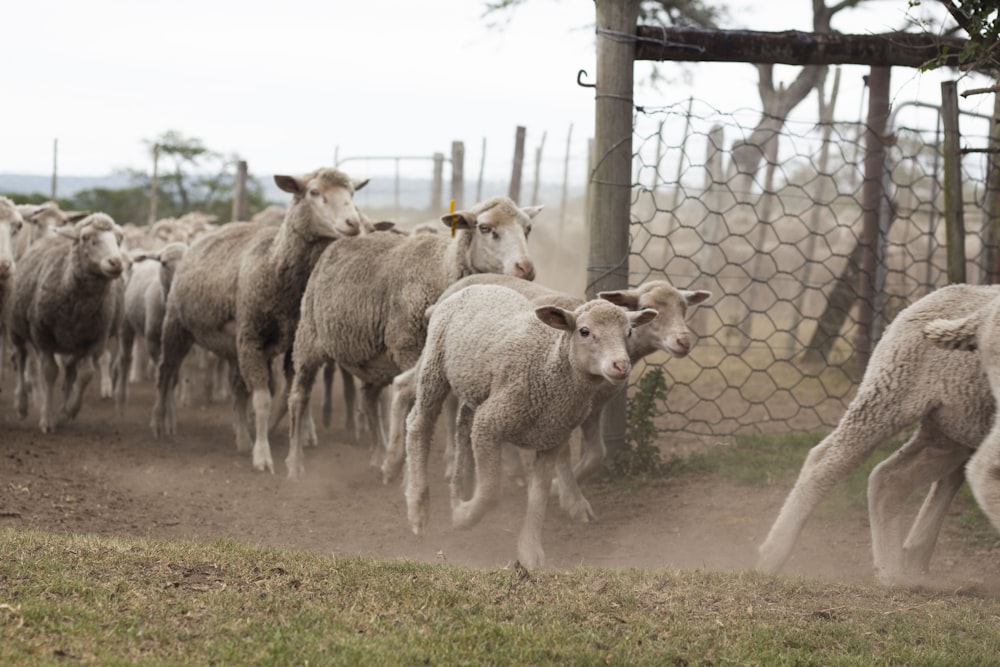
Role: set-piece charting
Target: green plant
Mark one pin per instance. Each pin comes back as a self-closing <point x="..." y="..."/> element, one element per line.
<point x="640" y="455"/>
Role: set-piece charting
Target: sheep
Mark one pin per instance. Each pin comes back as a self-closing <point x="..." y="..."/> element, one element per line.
<point x="979" y="331"/>
<point x="64" y="302"/>
<point x="237" y="293"/>
<point x="669" y="333"/>
<point x="364" y="305"/>
<point x="909" y="381"/>
<point x="523" y="376"/>
<point x="42" y="219"/>
<point x="11" y="224"/>
<point x="145" y="302"/>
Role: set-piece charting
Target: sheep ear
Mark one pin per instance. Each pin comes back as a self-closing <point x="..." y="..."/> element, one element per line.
<point x="360" y="184"/>
<point x="623" y="298"/>
<point x="289" y="184"/>
<point x="532" y="211"/>
<point x="460" y="220"/>
<point x="644" y="316"/>
<point x="75" y="216"/>
<point x="67" y="231"/>
<point x="694" y="298"/>
<point x="556" y="317"/>
<point x="384" y="226"/>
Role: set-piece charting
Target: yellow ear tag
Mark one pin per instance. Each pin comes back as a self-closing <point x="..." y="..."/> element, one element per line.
<point x="451" y="209"/>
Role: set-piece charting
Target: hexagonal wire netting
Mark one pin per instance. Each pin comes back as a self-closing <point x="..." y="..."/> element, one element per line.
<point x="774" y="348"/>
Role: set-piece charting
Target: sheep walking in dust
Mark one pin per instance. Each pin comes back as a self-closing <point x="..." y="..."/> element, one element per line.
<point x="237" y="294"/>
<point x="979" y="331"/>
<point x="146" y="290"/>
<point x="522" y="375"/>
<point x="66" y="298"/>
<point x="668" y="332"/>
<point x="11" y="226"/>
<point x="364" y="305"/>
<point x="909" y="381"/>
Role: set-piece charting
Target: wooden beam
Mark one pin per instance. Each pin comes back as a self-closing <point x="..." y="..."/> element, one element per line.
<point x="793" y="47"/>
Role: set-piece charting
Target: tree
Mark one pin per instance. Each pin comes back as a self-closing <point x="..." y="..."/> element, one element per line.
<point x="980" y="19"/>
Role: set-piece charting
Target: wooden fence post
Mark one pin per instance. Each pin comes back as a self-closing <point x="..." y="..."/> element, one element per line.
<point x="608" y="214"/>
<point x="437" y="184"/>
<point x="991" y="203"/>
<point x="458" y="173"/>
<point x="954" y="220"/>
<point x="240" y="207"/>
<point x="871" y="199"/>
<point x="514" y="192"/>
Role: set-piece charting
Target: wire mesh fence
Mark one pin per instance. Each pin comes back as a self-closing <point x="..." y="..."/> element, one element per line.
<point x="779" y="248"/>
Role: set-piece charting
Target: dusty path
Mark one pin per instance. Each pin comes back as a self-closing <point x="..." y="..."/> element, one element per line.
<point x="105" y="475"/>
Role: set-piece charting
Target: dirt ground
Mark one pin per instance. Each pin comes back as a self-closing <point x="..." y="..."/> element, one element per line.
<point x="106" y="475"/>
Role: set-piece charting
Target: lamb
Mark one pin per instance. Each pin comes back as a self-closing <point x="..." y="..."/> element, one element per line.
<point x="523" y="376"/>
<point x="979" y="331"/>
<point x="42" y="220"/>
<point x="237" y="293"/>
<point x="909" y="382"/>
<point x="668" y="332"/>
<point x="11" y="224"/>
<point x="65" y="299"/>
<point x="145" y="303"/>
<point x="399" y="276"/>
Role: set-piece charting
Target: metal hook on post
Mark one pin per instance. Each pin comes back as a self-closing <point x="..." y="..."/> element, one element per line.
<point x="579" y="80"/>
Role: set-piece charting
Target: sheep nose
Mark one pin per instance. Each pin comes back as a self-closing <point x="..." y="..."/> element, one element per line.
<point x="115" y="264"/>
<point x="6" y="269"/>
<point x="622" y="367"/>
<point x="525" y="269"/>
<point x="683" y="344"/>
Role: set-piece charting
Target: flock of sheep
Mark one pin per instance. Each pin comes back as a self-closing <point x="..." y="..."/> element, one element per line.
<point x="451" y="320"/>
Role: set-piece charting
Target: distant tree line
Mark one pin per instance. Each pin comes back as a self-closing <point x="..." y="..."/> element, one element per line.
<point x="189" y="177"/>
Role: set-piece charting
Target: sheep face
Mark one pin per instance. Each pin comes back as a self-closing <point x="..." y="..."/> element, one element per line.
<point x="97" y="244"/>
<point x="597" y="332"/>
<point x="328" y="196"/>
<point x="11" y="225"/>
<point x="669" y="332"/>
<point x="499" y="236"/>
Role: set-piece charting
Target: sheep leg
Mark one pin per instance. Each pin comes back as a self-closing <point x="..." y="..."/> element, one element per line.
<point x="370" y="397"/>
<point x="432" y="389"/>
<point x="451" y="415"/>
<point x="351" y="422"/>
<point x="529" y="542"/>
<point x="241" y="406"/>
<point x="282" y="408"/>
<point x="916" y="464"/>
<point x="49" y="372"/>
<point x="983" y="471"/>
<point x="592" y="447"/>
<point x="298" y="407"/>
<point x="176" y="342"/>
<point x="20" y="358"/>
<point x="403" y="391"/>
<point x="463" y="475"/>
<point x="107" y="381"/>
<point x="486" y="449"/>
<point x="326" y="411"/>
<point x="571" y="498"/>
<point x="82" y="372"/>
<point x="829" y="462"/>
<point x="919" y="544"/>
<point x="126" y="344"/>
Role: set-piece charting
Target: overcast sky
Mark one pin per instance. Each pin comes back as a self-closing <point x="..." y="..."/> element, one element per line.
<point x="289" y="85"/>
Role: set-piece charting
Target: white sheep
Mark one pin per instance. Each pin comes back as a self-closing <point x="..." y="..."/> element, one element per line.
<point x="42" y="220"/>
<point x="979" y="331"/>
<point x="668" y="332"/>
<point x="146" y="288"/>
<point x="522" y="375"/>
<point x="66" y="295"/>
<point x="909" y="382"/>
<point x="364" y="305"/>
<point x="237" y="293"/>
<point x="11" y="226"/>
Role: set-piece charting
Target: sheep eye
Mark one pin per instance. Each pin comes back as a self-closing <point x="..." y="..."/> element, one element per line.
<point x="584" y="332"/>
<point x="485" y="229"/>
<point x="314" y="193"/>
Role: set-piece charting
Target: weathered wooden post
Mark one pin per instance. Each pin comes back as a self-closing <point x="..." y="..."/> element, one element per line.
<point x="514" y="191"/>
<point x="437" y="183"/>
<point x="954" y="221"/>
<point x="611" y="178"/>
<point x="458" y="173"/>
<point x="240" y="207"/>
<point x="991" y="203"/>
<point x="871" y="198"/>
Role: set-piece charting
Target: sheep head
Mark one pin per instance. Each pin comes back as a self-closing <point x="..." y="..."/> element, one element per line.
<point x="670" y="332"/>
<point x="499" y="242"/>
<point x="322" y="203"/>
<point x="97" y="242"/>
